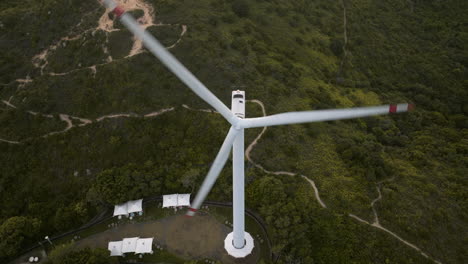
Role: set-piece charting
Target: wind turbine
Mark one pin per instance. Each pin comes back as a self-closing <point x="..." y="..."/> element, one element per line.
<point x="239" y="243"/>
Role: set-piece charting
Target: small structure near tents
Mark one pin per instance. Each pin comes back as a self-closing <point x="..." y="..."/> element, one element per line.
<point x="144" y="245"/>
<point x="115" y="248"/>
<point x="131" y="245"/>
<point x="120" y="209"/>
<point x="135" y="206"/>
<point x="176" y="200"/>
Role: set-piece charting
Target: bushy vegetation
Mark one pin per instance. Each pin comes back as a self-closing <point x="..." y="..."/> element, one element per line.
<point x="19" y="125"/>
<point x="166" y="34"/>
<point x="288" y="54"/>
<point x="17" y="232"/>
<point x="79" y="53"/>
<point x="28" y="27"/>
<point x="295" y="218"/>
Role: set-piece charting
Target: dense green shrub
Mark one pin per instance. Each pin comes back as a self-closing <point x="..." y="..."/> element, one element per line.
<point x="16" y="233"/>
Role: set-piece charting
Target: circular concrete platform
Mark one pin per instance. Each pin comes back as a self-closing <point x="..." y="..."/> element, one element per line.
<point x="239" y="252"/>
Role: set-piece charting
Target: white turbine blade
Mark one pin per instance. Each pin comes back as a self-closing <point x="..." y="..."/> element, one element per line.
<point x="323" y="115"/>
<point x="214" y="171"/>
<point x="170" y="61"/>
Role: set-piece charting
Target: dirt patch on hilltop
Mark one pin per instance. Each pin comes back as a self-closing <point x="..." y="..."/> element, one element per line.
<point x="198" y="237"/>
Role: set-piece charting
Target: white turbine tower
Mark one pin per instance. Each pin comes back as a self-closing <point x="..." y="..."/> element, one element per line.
<point x="239" y="243"/>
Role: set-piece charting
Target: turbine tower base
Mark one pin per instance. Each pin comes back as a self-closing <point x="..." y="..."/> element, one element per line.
<point x="239" y="252"/>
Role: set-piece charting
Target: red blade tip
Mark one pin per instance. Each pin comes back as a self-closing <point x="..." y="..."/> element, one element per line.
<point x="118" y="11"/>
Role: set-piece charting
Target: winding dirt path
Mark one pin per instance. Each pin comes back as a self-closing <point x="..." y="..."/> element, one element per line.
<point x="249" y="158"/>
<point x="87" y="121"/>
<point x="9" y="141"/>
<point x="316" y="191"/>
<point x="145" y="21"/>
<point x="83" y="121"/>
<point x="8" y="103"/>
<point x="378" y="226"/>
<point x="99" y="119"/>
<point x="345" y="38"/>
<point x="184" y="30"/>
<point x="40" y="60"/>
<point x="24" y="82"/>
<point x="375" y="224"/>
<point x="199" y="110"/>
<point x="160" y="112"/>
<point x="66" y="119"/>
<point x="105" y="24"/>
<point x="377" y="187"/>
<point x="376" y="217"/>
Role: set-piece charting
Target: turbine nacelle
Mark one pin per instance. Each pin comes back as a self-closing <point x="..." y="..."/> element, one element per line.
<point x="238" y="104"/>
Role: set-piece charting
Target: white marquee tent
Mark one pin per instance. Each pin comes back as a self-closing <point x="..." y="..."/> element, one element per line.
<point x="120" y="209"/>
<point x="135" y="206"/>
<point x="129" y="207"/>
<point x="170" y="200"/>
<point x="144" y="245"/>
<point x="129" y="244"/>
<point x="175" y="200"/>
<point x="115" y="248"/>
<point x="183" y="199"/>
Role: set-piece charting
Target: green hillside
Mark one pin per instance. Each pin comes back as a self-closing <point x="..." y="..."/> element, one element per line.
<point x="291" y="55"/>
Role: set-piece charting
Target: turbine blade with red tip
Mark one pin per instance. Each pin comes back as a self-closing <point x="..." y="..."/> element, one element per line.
<point x="214" y="171"/>
<point x="323" y="115"/>
<point x="158" y="50"/>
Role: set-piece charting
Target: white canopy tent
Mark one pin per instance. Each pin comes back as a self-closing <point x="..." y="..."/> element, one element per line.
<point x="129" y="207"/>
<point x="120" y="209"/>
<point x="135" y="206"/>
<point x="175" y="200"/>
<point x="129" y="244"/>
<point x="115" y="248"/>
<point x="170" y="200"/>
<point x="144" y="245"/>
<point x="183" y="199"/>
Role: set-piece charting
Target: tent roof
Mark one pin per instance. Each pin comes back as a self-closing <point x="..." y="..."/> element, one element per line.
<point x="120" y="209"/>
<point x="183" y="200"/>
<point x="115" y="248"/>
<point x="170" y="200"/>
<point x="129" y="207"/>
<point x="174" y="200"/>
<point x="129" y="244"/>
<point x="144" y="245"/>
<point x="135" y="206"/>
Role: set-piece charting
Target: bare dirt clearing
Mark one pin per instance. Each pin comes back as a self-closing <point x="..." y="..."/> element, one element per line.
<point x="198" y="237"/>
